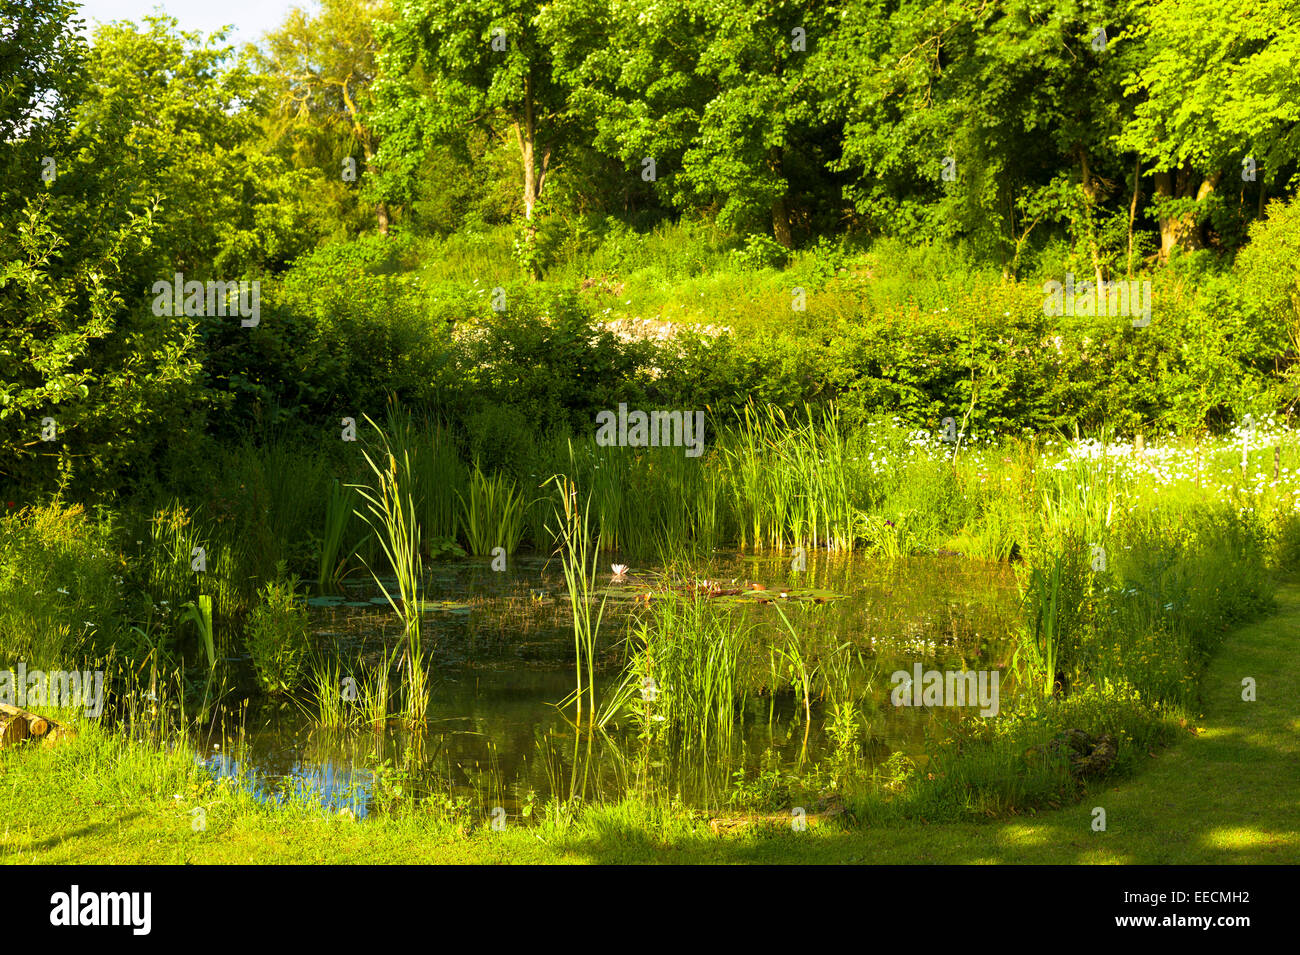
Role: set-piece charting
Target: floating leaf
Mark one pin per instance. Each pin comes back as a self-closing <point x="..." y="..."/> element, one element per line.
<point x="445" y="606"/>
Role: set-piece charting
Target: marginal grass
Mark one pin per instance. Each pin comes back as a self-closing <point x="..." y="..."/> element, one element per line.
<point x="1224" y="795"/>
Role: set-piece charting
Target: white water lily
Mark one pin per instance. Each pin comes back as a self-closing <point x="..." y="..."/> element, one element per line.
<point x="620" y="570"/>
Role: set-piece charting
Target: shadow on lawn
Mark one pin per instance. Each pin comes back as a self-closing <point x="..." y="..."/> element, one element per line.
<point x="12" y="850"/>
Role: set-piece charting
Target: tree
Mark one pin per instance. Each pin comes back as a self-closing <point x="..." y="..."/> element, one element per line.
<point x="154" y="139"/>
<point x="1220" y="96"/>
<point x="174" y="117"/>
<point x="449" y="64"/>
<point x="718" y="92"/>
<point x="41" y="57"/>
<point x="321" y="70"/>
<point x="965" y="120"/>
<point x="85" y="382"/>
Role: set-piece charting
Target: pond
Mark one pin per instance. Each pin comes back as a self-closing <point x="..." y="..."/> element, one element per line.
<point x="502" y="659"/>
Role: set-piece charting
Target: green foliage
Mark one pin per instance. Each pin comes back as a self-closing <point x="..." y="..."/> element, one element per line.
<point x="546" y="357"/>
<point x="1268" y="273"/>
<point x="61" y="593"/>
<point x="85" y="386"/>
<point x="277" y="636"/>
<point x="759" y="252"/>
<point x="992" y="357"/>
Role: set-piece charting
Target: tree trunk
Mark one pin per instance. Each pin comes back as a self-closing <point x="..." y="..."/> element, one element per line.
<point x="526" y="135"/>
<point x="1169" y="225"/>
<point x="1091" y="189"/>
<point x="781" y="223"/>
<point x="780" y="211"/>
<point x="526" y="156"/>
<point x="1132" y="212"/>
<point x="1181" y="231"/>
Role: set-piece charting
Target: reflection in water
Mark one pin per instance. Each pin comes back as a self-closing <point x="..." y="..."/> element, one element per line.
<point x="502" y="659"/>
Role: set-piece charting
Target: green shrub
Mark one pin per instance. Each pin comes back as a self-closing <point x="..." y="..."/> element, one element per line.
<point x="546" y="357"/>
<point x="277" y="636"/>
<point x="760" y="252"/>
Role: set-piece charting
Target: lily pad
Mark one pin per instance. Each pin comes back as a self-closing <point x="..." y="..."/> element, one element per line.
<point x="445" y="606"/>
<point x="327" y="601"/>
<point x="732" y="594"/>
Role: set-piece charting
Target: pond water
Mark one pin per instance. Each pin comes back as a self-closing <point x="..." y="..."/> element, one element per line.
<point x="502" y="658"/>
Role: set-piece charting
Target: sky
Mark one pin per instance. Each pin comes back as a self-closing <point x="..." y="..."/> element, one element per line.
<point x="251" y="18"/>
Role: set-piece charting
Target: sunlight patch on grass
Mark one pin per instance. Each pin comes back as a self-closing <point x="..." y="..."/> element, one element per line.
<point x="1022" y="835"/>
<point x="1246" y="837"/>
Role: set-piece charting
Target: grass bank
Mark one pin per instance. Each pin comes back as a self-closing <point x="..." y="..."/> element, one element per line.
<point x="1223" y="795"/>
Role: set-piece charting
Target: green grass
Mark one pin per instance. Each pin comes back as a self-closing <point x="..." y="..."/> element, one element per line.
<point x="1225" y="795"/>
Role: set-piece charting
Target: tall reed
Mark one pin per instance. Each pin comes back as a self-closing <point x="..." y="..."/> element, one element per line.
<point x="339" y="507"/>
<point x="199" y="613"/>
<point x="792" y="482"/>
<point x="1055" y="595"/>
<point x="392" y="514"/>
<point x="690" y="655"/>
<point x="492" y="513"/>
<point x="579" y="553"/>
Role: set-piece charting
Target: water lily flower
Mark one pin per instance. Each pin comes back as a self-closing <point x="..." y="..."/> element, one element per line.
<point x="620" y="571"/>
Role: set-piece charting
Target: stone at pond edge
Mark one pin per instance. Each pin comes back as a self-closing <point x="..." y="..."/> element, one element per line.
<point x="1087" y="755"/>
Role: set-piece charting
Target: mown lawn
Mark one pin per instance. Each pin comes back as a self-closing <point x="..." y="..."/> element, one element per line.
<point x="1227" y="795"/>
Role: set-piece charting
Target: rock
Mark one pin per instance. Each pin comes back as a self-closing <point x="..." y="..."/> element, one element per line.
<point x="1086" y="755"/>
<point x="1099" y="761"/>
